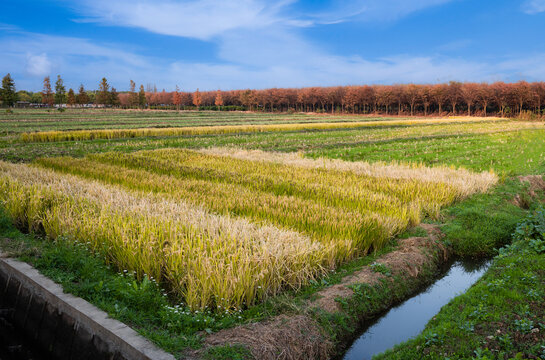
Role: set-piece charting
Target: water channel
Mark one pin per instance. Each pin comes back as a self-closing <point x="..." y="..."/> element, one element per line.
<point x="410" y="317"/>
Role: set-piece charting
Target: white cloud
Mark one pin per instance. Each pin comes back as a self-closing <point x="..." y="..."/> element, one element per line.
<point x="206" y="19"/>
<point x="258" y="46"/>
<point x="194" y="19"/>
<point x="38" y="65"/>
<point x="77" y="60"/>
<point x="533" y="6"/>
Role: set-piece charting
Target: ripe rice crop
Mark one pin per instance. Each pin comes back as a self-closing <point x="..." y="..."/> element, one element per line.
<point x="227" y="228"/>
<point x="208" y="260"/>
<point x="464" y="182"/>
<point x="48" y="136"/>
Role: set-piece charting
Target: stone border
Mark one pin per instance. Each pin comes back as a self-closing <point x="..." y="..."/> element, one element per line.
<point x="65" y="324"/>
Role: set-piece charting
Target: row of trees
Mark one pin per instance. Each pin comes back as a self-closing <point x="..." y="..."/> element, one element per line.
<point x="103" y="96"/>
<point x="455" y="98"/>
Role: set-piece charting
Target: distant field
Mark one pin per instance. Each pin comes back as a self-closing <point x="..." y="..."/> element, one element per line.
<point x="89" y="119"/>
<point x="480" y="144"/>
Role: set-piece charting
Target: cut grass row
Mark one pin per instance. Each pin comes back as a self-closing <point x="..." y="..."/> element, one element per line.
<point x="326" y="204"/>
<point x="52" y="136"/>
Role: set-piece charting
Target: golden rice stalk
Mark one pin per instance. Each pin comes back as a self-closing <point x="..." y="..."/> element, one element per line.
<point x="209" y="260"/>
<point x="464" y="181"/>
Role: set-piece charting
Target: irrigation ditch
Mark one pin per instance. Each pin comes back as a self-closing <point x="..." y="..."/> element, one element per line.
<point x="408" y="319"/>
<point x="331" y="322"/>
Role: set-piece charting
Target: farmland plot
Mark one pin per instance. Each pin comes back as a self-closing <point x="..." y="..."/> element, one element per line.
<point x="225" y="229"/>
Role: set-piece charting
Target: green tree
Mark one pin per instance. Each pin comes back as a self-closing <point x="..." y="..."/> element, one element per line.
<point x="103" y="96"/>
<point x="82" y="97"/>
<point x="114" y="97"/>
<point x="133" y="96"/>
<point x="47" y="94"/>
<point x="24" y="96"/>
<point x="142" y="97"/>
<point x="36" y="98"/>
<point x="60" y="91"/>
<point x="8" y="94"/>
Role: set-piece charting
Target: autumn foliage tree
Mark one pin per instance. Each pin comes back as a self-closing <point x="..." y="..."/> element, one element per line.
<point x="47" y="93"/>
<point x="177" y="98"/>
<point x="71" y="97"/>
<point x="504" y="99"/>
<point x="470" y="94"/>
<point x="197" y="99"/>
<point x="219" y="99"/>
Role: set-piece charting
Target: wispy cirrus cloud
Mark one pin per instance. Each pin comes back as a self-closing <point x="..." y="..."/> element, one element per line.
<point x="533" y="6"/>
<point x="193" y="19"/>
<point x="371" y="10"/>
<point x="206" y="19"/>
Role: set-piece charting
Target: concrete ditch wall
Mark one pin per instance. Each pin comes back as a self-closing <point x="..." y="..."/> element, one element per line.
<point x="62" y="325"/>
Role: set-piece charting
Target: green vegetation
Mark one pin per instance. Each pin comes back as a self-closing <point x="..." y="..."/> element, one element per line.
<point x="479" y="226"/>
<point x="501" y="316"/>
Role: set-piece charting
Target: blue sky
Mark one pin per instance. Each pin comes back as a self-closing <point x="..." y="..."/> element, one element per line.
<point x="221" y="44"/>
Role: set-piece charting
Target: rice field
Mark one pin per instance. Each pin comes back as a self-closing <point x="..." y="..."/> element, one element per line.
<point x="226" y="211"/>
<point x="78" y="119"/>
<point x="82" y="135"/>
<point x="225" y="228"/>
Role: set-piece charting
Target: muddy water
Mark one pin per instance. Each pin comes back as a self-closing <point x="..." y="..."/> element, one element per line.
<point x="410" y="317"/>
